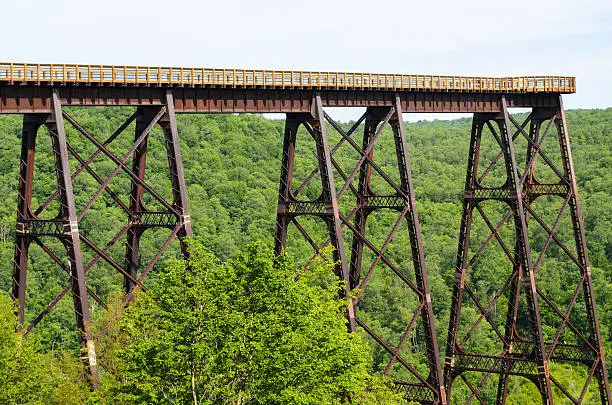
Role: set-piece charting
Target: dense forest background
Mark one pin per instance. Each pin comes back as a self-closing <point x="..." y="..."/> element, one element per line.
<point x="232" y="164"/>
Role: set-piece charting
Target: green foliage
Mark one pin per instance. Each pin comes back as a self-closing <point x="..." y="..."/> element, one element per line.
<point x="241" y="332"/>
<point x="29" y="376"/>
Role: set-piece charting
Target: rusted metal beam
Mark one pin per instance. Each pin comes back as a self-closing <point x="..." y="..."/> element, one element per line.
<point x="29" y="99"/>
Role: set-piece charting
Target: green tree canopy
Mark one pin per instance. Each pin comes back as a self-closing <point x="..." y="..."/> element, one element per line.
<point x="29" y="376"/>
<point x="243" y="332"/>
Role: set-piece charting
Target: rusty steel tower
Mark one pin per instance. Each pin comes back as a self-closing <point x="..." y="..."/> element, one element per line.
<point x="528" y="332"/>
<point x="533" y="332"/>
<point x="426" y="388"/>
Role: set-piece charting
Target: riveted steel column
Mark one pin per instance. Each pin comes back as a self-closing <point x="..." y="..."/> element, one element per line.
<point x="177" y="174"/>
<point x="452" y="343"/>
<point x="285" y="193"/>
<point x="31" y="124"/>
<point x="179" y="208"/>
<point x="139" y="160"/>
<point x="72" y="241"/>
<point x="510" y="333"/>
<point x="522" y="236"/>
<point x="418" y="255"/>
<point x="601" y="371"/>
<point x="373" y="119"/>
<point x="328" y="195"/>
<point x="326" y="206"/>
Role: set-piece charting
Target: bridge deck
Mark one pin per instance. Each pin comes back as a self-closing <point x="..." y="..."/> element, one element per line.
<point x="26" y="88"/>
<point x="240" y="78"/>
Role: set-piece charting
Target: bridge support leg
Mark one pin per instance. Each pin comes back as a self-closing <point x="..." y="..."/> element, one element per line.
<point x="31" y="124"/>
<point x="597" y="362"/>
<point x="524" y="349"/>
<point x="177" y="174"/>
<point x="64" y="227"/>
<point x="177" y="215"/>
<point x="326" y="206"/>
<point x="425" y="389"/>
<point x="144" y="117"/>
<point x="174" y="214"/>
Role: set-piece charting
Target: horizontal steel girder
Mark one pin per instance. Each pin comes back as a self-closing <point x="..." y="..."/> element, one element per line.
<point x="29" y="99"/>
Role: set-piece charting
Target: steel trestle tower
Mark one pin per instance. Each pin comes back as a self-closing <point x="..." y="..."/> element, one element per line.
<point x="525" y="349"/>
<point x="427" y="389"/>
<point x="65" y="226"/>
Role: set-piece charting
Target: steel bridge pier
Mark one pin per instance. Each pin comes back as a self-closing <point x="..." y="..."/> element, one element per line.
<point x="525" y="350"/>
<point x="426" y="389"/>
<point x="65" y="225"/>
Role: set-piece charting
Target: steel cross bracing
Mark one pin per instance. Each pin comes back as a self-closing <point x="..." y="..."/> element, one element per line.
<point x="65" y="226"/>
<point x="425" y="388"/>
<point x="537" y="332"/>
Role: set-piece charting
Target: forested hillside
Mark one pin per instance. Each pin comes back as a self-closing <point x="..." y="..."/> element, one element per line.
<point x="232" y="165"/>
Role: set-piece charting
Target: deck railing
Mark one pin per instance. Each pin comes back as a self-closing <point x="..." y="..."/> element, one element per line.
<point x="203" y="77"/>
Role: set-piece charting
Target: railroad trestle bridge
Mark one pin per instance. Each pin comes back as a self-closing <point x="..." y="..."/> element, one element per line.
<point x="40" y="93"/>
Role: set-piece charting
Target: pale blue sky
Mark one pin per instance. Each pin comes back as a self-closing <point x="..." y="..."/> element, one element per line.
<point x="481" y="37"/>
